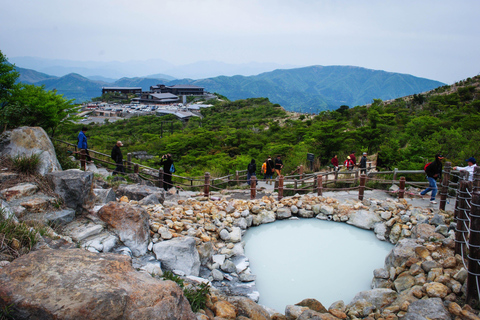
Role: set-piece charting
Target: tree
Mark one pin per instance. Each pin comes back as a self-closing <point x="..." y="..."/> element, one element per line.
<point x="31" y="105"/>
<point x="8" y="76"/>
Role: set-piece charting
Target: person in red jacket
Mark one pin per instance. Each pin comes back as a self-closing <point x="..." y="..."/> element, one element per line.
<point x="334" y="162"/>
<point x="353" y="158"/>
<point x="349" y="164"/>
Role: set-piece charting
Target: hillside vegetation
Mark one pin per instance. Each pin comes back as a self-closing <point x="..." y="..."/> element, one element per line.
<point x="406" y="132"/>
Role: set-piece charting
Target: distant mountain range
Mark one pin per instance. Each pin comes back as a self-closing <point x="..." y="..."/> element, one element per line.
<point x="309" y="89"/>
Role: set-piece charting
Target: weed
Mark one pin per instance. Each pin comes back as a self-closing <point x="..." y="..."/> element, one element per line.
<point x="16" y="238"/>
<point x="6" y="312"/>
<point x="63" y="157"/>
<point x="27" y="164"/>
<point x="196" y="295"/>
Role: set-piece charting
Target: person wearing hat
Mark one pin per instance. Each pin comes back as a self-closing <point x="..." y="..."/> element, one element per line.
<point x="434" y="172"/>
<point x="472" y="163"/>
<point x="363" y="164"/>
<point x="349" y="164"/>
<point x="118" y="158"/>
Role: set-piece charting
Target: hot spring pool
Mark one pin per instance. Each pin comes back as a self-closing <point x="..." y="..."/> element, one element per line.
<point x="310" y="258"/>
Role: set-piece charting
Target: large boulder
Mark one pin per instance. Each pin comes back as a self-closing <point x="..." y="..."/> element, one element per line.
<point x="75" y="187"/>
<point x="130" y="223"/>
<point x="28" y="141"/>
<point x="77" y="284"/>
<point x="402" y="251"/>
<point x="138" y="192"/>
<point x="364" y="219"/>
<point x="179" y="254"/>
<point x="424" y="309"/>
<point x="380" y="298"/>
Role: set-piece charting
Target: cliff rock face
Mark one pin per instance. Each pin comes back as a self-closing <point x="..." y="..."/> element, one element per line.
<point x="28" y="141"/>
<point x="77" y="284"/>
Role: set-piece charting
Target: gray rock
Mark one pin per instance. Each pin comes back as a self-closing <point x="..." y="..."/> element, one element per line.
<point x="102" y="242"/>
<point x="74" y="187"/>
<point x="424" y="309"/>
<point x="304" y="213"/>
<point x="151" y="199"/>
<point x="218" y="258"/>
<point x="241" y="263"/>
<point x="442" y="229"/>
<point x="180" y="254"/>
<point x="294" y="209"/>
<point x="364" y="219"/>
<point x="217" y="275"/>
<point x="403" y="250"/>
<point x="338" y="305"/>
<point x="381" y="273"/>
<point x="81" y="229"/>
<point x="62" y="217"/>
<point x="437" y="220"/>
<point x="138" y="192"/>
<point x="380" y="230"/>
<point x="379" y="298"/>
<point x="28" y="141"/>
<point x="241" y="223"/>
<point x="236" y="234"/>
<point x="228" y="266"/>
<point x="326" y="210"/>
<point x="246" y="277"/>
<point x="263" y="217"/>
<point x="283" y="213"/>
<point x="205" y="251"/>
<point x="429" y="265"/>
<point x="225" y="235"/>
<point x="6" y="211"/>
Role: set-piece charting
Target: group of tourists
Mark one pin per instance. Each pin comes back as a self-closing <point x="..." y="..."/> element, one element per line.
<point x="351" y="162"/>
<point x="269" y="167"/>
<point x="433" y="171"/>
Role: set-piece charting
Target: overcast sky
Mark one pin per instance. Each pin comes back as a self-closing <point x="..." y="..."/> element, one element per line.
<point x="435" y="39"/>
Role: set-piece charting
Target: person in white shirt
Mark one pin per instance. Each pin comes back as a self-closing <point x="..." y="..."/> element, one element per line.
<point x="472" y="163"/>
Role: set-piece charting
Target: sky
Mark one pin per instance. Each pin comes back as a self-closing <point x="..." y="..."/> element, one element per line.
<point x="434" y="39"/>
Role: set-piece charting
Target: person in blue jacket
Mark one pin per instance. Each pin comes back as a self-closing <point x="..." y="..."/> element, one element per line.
<point x="82" y="143"/>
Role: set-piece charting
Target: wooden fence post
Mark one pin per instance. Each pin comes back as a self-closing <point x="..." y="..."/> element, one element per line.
<point x="319" y="185"/>
<point x="136" y="168"/>
<point x="361" y="189"/>
<point x="356" y="175"/>
<point x="476" y="180"/>
<point x="253" y="187"/>
<point x="336" y="176"/>
<point x="129" y="161"/>
<point x="160" y="178"/>
<point x="401" y="190"/>
<point x="83" y="159"/>
<point x="280" y="187"/>
<point x="474" y="251"/>
<point x="206" y="187"/>
<point x="237" y="177"/>
<point x="445" y="182"/>
<point x="395" y="174"/>
<point x="301" y="171"/>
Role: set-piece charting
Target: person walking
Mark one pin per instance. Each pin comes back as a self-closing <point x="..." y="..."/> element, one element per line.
<point x="334" y="163"/>
<point x="82" y="143"/>
<point x="264" y="170"/>
<point x="278" y="165"/>
<point x="270" y="169"/>
<point x="348" y="164"/>
<point x="433" y="172"/>
<point x="251" y="170"/>
<point x="353" y="158"/>
<point x="363" y="164"/>
<point x="470" y="168"/>
<point x="168" y="169"/>
<point x="118" y="158"/>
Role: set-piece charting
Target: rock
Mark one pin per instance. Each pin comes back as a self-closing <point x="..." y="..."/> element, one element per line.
<point x="437" y="220"/>
<point x="19" y="191"/>
<point x="217" y="275"/>
<point x="294" y="209"/>
<point x="81" y="229"/>
<point x="380" y="230"/>
<point x="205" y="251"/>
<point x="179" y="254"/>
<point x="6" y="212"/>
<point x="424" y="309"/>
<point x="241" y="263"/>
<point x="436" y="290"/>
<point x="138" y="192"/>
<point x="363" y="219"/>
<point x="381" y="273"/>
<point x="225" y="235"/>
<point x="263" y="217"/>
<point x="228" y="266"/>
<point x="37" y="204"/>
<point x="403" y="250"/>
<point x="379" y="298"/>
<point x="429" y="265"/>
<point x="76" y="284"/>
<point x="104" y="195"/>
<point x="236" y="235"/>
<point x="60" y="218"/>
<point x="403" y="282"/>
<point x="326" y="210"/>
<point x="304" y="213"/>
<point x="339" y="305"/>
<point x="151" y="199"/>
<point x="312" y="304"/>
<point x="423" y="231"/>
<point x="246" y="277"/>
<point x="461" y="275"/>
<point x="74" y="187"/>
<point x="249" y="309"/>
<point x="360" y="308"/>
<point x="224" y="310"/>
<point x="293" y="312"/>
<point x="28" y="141"/>
<point x="283" y="213"/>
<point x="130" y="223"/>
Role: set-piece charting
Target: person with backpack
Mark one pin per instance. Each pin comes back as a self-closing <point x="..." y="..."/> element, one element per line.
<point x="470" y="168"/>
<point x="433" y="170"/>
<point x="168" y="170"/>
<point x="117" y="156"/>
<point x="251" y="170"/>
<point x="82" y="143"/>
<point x="270" y="170"/>
<point x="278" y="166"/>
<point x="363" y="164"/>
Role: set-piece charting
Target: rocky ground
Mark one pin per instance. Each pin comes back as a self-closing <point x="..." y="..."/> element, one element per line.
<point x="105" y="250"/>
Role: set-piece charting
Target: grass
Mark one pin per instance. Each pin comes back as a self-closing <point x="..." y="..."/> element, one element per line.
<point x="16" y="238"/>
<point x="27" y="164"/>
<point x="195" y="294"/>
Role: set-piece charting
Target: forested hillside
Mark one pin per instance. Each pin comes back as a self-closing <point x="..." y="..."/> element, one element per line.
<point x="406" y="132"/>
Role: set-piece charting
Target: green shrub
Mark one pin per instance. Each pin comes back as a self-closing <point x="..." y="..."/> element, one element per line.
<point x="196" y="295"/>
<point x="63" y="158"/>
<point x="27" y="164"/>
<point x="16" y="238"/>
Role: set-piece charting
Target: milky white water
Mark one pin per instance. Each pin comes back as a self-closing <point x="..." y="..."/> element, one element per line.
<point x="310" y="258"/>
